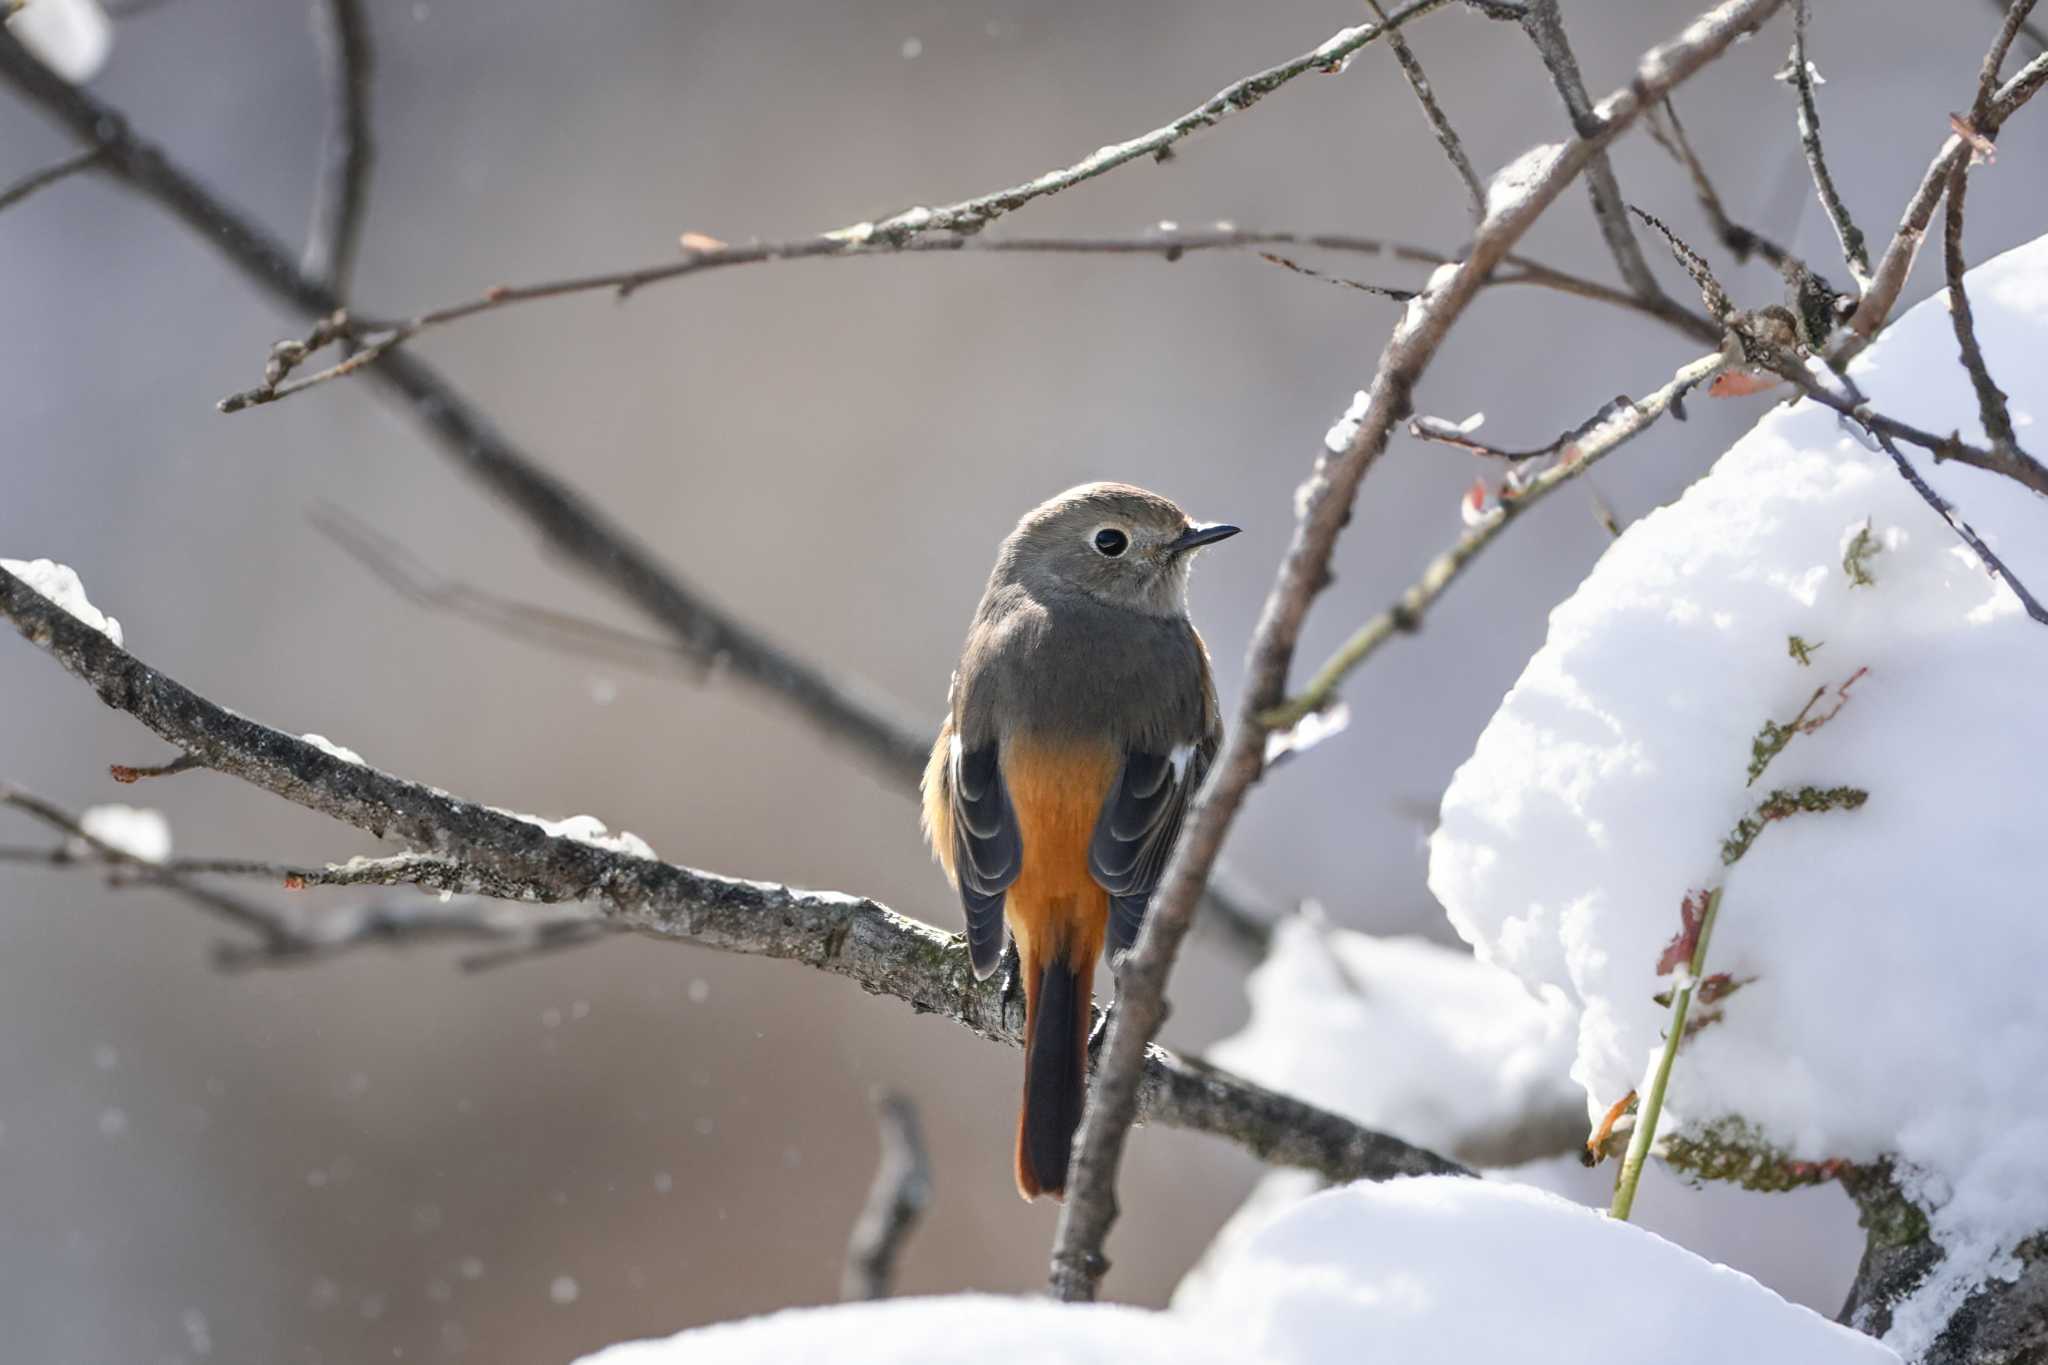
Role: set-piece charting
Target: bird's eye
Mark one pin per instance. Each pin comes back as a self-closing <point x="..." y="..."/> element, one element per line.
<point x="1111" y="542"/>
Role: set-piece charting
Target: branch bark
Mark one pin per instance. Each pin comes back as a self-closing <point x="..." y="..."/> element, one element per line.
<point x="342" y="193"/>
<point x="2003" y="1322"/>
<point x="896" y="1202"/>
<point x="472" y="849"/>
<point x="1325" y="506"/>
<point x="1544" y="23"/>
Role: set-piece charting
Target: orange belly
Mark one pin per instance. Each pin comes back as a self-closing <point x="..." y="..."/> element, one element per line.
<point x="1054" y="908"/>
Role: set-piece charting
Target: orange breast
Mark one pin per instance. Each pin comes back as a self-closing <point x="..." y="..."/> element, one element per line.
<point x="1054" y="908"/>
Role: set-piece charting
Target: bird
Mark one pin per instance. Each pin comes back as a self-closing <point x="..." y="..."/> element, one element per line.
<point x="1079" y="725"/>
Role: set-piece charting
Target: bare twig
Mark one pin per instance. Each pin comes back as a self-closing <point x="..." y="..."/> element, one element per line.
<point x="342" y="33"/>
<point x="896" y="1202"/>
<point x="1991" y="406"/>
<point x="504" y="856"/>
<point x="1801" y="76"/>
<point x="1579" y="450"/>
<point x="231" y="909"/>
<point x="123" y="772"/>
<point x="288" y="938"/>
<point x="1439" y="122"/>
<point x="1889" y="277"/>
<point x="21" y="189"/>
<point x="1325" y="504"/>
<point x="1741" y="241"/>
<point x="1285" y="263"/>
<point x="1544" y="23"/>
<point x="972" y="215"/>
<point x="375" y="340"/>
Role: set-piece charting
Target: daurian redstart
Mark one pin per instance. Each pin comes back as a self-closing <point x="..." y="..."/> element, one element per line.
<point x="1082" y="718"/>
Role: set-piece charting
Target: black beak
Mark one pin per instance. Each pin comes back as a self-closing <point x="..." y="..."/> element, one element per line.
<point x="1197" y="536"/>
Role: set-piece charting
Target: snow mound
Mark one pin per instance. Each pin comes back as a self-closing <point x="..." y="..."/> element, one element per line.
<point x="983" y="1328"/>
<point x="59" y="583"/>
<point x="137" y="831"/>
<point x="71" y="37"/>
<point x="333" y="750"/>
<point x="1404" y="1035"/>
<point x="1881" y="991"/>
<point x="584" y="829"/>
<point x="1443" y="1268"/>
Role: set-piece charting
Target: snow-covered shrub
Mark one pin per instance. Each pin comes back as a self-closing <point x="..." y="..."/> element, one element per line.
<point x="1798" y="632"/>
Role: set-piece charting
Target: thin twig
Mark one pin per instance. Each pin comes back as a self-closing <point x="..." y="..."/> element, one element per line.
<point x="506" y="857"/>
<point x="1581" y="448"/>
<point x="1439" y="122"/>
<point x="1991" y="406"/>
<point x="1889" y="278"/>
<point x="1324" y="505"/>
<point x="902" y="1191"/>
<point x="49" y="175"/>
<point x="287" y="938"/>
<point x="376" y="340"/>
<point x="972" y="215"/>
<point x="1544" y="23"/>
<point x="1801" y="75"/>
<point x="342" y="33"/>
<point x="1285" y="263"/>
<point x="1741" y="241"/>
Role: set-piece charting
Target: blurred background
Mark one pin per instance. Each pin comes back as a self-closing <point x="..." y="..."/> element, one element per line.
<point x="384" y="1157"/>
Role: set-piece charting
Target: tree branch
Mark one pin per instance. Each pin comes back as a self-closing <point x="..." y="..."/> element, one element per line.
<point x="1544" y="24"/>
<point x="1578" y="450"/>
<point x="1998" y="1323"/>
<point x="377" y="339"/>
<point x="1889" y="277"/>
<point x="21" y="189"/>
<point x="462" y="846"/>
<point x="972" y="215"/>
<point x="1325" y="506"/>
<point x="285" y="938"/>
<point x="1741" y="242"/>
<point x="342" y="33"/>
<point x="1991" y="406"/>
<point x="1801" y="75"/>
<point x="1439" y="122"/>
<point x="896" y="1202"/>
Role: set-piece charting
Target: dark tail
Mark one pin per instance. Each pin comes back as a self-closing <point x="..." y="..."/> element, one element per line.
<point x="1057" y="1014"/>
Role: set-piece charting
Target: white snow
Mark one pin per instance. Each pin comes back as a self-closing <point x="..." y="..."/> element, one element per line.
<point x="137" y="831"/>
<point x="1311" y="730"/>
<point x="1511" y="183"/>
<point x="1441" y="1268"/>
<point x="71" y="37"/>
<point x="1403" y="1035"/>
<point x="587" y="829"/>
<point x="983" y="1328"/>
<point x="1891" y="954"/>
<point x="1345" y="430"/>
<point x="333" y="750"/>
<point x="1438" y="1268"/>
<point x="60" y="584"/>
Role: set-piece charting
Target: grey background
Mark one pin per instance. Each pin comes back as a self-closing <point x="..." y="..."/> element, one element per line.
<point x="299" y="1166"/>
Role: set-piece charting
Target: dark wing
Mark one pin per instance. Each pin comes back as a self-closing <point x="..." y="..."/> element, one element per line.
<point x="987" y="851"/>
<point x="1140" y="822"/>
